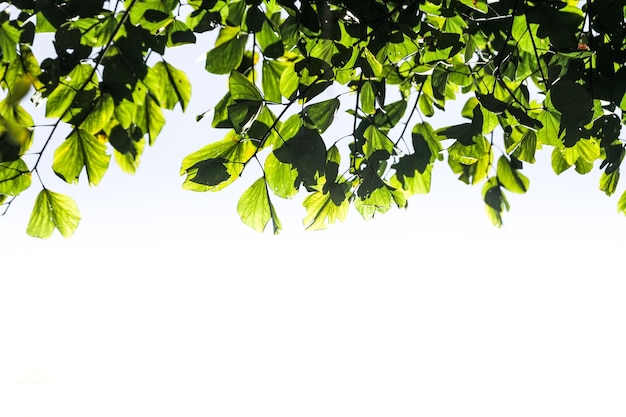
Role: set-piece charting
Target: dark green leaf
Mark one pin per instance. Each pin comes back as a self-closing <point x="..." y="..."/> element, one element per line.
<point x="210" y="172"/>
<point x="227" y="56"/>
<point x="306" y="152"/>
<point x="321" y="115"/>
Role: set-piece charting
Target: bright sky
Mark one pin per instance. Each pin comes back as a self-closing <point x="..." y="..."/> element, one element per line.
<point x="164" y="303"/>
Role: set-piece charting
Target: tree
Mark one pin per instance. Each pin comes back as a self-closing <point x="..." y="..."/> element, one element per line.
<point x="531" y="74"/>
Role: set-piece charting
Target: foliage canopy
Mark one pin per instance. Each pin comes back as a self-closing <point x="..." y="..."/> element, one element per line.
<point x="531" y="74"/>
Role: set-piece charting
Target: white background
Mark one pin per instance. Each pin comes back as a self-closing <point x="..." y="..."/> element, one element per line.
<point x="164" y="304"/>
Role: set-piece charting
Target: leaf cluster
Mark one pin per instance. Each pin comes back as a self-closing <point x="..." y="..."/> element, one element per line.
<point x="531" y="74"/>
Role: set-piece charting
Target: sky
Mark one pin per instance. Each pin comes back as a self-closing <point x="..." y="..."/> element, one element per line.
<point x="163" y="303"/>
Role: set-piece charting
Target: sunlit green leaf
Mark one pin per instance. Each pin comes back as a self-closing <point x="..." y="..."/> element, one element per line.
<point x="168" y="85"/>
<point x="63" y="95"/>
<point x="289" y="82"/>
<point x="149" y="118"/>
<point x="528" y="74"/>
<point x="270" y="42"/>
<point x="241" y="88"/>
<point x="418" y="183"/>
<point x="321" y="211"/>
<point x="608" y="182"/>
<point x="100" y="114"/>
<point x="15" y="177"/>
<point x="81" y="150"/>
<point x="254" y="207"/>
<point x="281" y="177"/>
<point x="217" y="165"/>
<point x="272" y="71"/>
<point x="559" y="163"/>
<point x="511" y="178"/>
<point x="526" y="148"/>
<point x="9" y="37"/>
<point x="53" y="210"/>
<point x="376" y="140"/>
<point x="378" y="201"/>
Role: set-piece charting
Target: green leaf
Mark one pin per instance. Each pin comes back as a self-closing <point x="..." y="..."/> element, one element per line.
<point x="522" y="116"/>
<point x="525" y="149"/>
<point x="573" y="102"/>
<point x="321" y="211"/>
<point x="53" y="210"/>
<point x="100" y="114"/>
<point x="418" y="183"/>
<point x="290" y="127"/>
<point x="322" y="114"/>
<point x="211" y="172"/>
<point x="389" y="116"/>
<point x="254" y="19"/>
<point x="9" y="37"/>
<point x="306" y="152"/>
<point x="378" y="201"/>
<point x="95" y="32"/>
<point x="61" y="98"/>
<point x="491" y="103"/>
<point x="583" y="167"/>
<point x="255" y="208"/>
<point x="271" y="73"/>
<point x="528" y="39"/>
<point x="289" y="82"/>
<point x="376" y="140"/>
<point x="220" y="113"/>
<point x="264" y="128"/>
<point x="81" y="149"/>
<point x="15" y="177"/>
<point x="224" y="58"/>
<point x="510" y="178"/>
<point x="464" y="133"/>
<point x="368" y="98"/>
<point x="179" y="34"/>
<point x="243" y="114"/>
<point x="608" y="182"/>
<point x="550" y="134"/>
<point x="152" y="15"/>
<point x="281" y="178"/>
<point x="217" y="165"/>
<point x="377" y="67"/>
<point x="128" y="147"/>
<point x="149" y="118"/>
<point x="495" y="201"/>
<point x="426" y="105"/>
<point x="168" y="85"/>
<point x="270" y="42"/>
<point x="241" y="88"/>
<point x="16" y="133"/>
<point x="559" y="163"/>
<point x="413" y="170"/>
<point x="468" y="154"/>
<point x="588" y="149"/>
